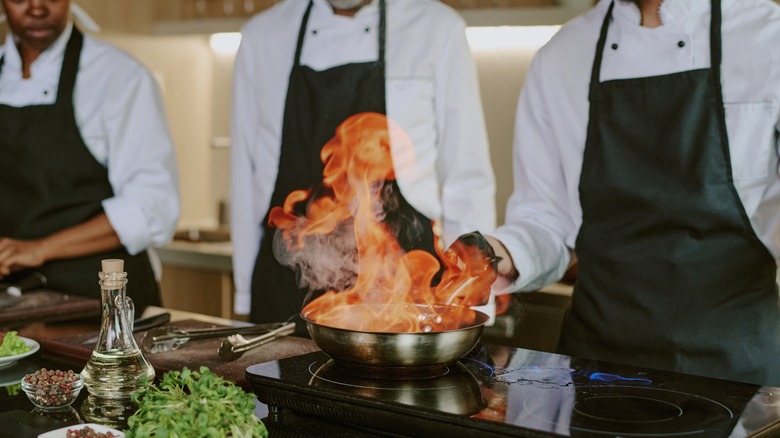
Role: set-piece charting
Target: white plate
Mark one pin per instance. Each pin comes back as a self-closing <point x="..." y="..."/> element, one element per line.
<point x="12" y="375"/>
<point x="60" y="433"/>
<point x="7" y="361"/>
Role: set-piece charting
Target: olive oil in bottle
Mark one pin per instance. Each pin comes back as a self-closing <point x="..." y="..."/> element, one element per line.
<point x="116" y="367"/>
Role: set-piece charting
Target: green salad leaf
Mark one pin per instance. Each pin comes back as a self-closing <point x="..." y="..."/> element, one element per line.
<point x="14" y="389"/>
<point x="12" y="345"/>
<point x="192" y="404"/>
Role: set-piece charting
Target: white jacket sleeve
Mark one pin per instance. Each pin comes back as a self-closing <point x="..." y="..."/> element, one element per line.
<point x="537" y="217"/>
<point x="467" y="182"/>
<point x="141" y="164"/>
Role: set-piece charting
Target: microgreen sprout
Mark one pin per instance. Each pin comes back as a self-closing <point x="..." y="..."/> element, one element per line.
<point x="188" y="404"/>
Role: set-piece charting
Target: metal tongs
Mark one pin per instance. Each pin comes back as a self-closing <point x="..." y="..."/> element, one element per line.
<point x="169" y="338"/>
<point x="235" y="345"/>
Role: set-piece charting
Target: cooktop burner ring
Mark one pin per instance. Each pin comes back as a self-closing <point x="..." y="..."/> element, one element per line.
<point x="654" y="410"/>
<point x="640" y="411"/>
<point x="351" y="380"/>
<point x="393" y="373"/>
<point x="457" y="392"/>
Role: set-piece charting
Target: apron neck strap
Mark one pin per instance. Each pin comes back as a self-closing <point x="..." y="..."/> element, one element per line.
<point x="382" y="27"/>
<point x="716" y="54"/>
<point x="715" y="43"/>
<point x="595" y="74"/>
<point x="305" y="22"/>
<point x="70" y="66"/>
<point x="302" y="33"/>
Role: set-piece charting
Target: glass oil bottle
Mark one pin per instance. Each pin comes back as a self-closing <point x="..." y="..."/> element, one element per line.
<point x="117" y="365"/>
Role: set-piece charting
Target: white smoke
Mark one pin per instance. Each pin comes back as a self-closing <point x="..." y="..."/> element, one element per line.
<point x="325" y="262"/>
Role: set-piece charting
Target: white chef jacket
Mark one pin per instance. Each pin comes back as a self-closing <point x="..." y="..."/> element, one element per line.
<point x="544" y="214"/>
<point x="121" y="118"/>
<point x="431" y="92"/>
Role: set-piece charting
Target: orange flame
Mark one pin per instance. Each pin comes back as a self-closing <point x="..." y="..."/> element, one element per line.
<point x="357" y="162"/>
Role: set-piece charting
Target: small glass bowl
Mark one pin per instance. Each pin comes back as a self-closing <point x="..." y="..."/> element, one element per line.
<point x="50" y="396"/>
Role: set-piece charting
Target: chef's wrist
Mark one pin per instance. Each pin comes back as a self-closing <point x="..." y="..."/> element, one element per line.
<point x="43" y="250"/>
<point x="506" y="267"/>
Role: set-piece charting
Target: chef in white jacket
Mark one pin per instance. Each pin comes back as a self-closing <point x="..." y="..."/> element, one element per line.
<point x="647" y="144"/>
<point x="89" y="170"/>
<point x="303" y="67"/>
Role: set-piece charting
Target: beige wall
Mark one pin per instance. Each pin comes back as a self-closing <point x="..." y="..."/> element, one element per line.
<point x="220" y="126"/>
<point x="122" y="16"/>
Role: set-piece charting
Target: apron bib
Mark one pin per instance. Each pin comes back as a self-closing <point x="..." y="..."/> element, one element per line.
<point x="51" y="182"/>
<point x="671" y="274"/>
<point x="317" y="103"/>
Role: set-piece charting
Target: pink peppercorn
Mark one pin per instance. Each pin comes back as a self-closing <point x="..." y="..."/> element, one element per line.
<point x="52" y="387"/>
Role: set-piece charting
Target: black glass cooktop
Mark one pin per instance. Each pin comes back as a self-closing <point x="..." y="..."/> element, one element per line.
<point x="504" y="391"/>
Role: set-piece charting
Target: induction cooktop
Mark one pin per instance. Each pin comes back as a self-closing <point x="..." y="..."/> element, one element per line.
<point x="503" y="391"/>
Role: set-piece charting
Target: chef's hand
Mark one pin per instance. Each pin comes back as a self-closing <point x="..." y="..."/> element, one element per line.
<point x="506" y="267"/>
<point x="17" y="254"/>
<point x="471" y="270"/>
<point x="94" y="236"/>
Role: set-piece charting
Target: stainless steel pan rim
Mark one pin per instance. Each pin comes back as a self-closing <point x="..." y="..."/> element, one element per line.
<point x="382" y="349"/>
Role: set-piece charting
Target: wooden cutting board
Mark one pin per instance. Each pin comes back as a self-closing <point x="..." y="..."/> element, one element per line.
<point x="193" y="354"/>
<point x="47" y="305"/>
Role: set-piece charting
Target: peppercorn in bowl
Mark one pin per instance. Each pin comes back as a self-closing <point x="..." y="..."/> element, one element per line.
<point x="52" y="390"/>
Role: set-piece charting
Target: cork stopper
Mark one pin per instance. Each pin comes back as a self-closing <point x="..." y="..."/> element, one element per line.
<point x="113" y="265"/>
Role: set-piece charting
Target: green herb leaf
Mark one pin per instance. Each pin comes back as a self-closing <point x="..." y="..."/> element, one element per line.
<point x="193" y="404"/>
<point x="12" y="345"/>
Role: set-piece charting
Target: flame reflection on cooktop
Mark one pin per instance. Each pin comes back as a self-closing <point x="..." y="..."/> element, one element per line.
<point x="504" y="391"/>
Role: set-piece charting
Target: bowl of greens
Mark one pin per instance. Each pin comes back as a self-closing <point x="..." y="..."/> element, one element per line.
<point x="194" y="403"/>
<point x="14" y="347"/>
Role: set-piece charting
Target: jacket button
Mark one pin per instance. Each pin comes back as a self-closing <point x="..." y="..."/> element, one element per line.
<point x="681" y="44"/>
<point x="614" y="46"/>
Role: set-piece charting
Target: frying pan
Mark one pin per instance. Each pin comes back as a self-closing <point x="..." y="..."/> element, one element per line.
<point x="402" y="349"/>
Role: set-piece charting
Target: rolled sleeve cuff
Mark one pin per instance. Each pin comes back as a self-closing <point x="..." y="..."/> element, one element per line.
<point x="524" y="263"/>
<point x="242" y="301"/>
<point x="129" y="223"/>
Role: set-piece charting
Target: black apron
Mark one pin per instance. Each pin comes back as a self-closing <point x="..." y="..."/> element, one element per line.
<point x="671" y="274"/>
<point x="50" y="181"/>
<point x="317" y="103"/>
